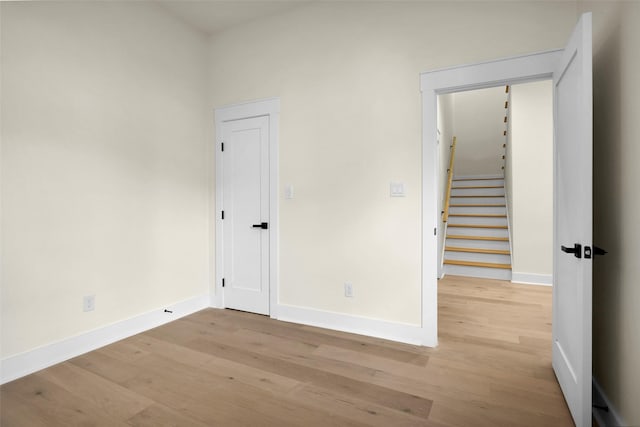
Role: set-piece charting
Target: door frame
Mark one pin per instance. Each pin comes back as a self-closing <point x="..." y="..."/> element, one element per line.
<point x="511" y="70"/>
<point x="269" y="108"/>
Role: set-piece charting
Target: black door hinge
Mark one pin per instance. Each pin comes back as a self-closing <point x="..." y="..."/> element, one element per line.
<point x="222" y="146"/>
<point x="222" y="214"/>
<point x="223" y="282"/>
<point x="434" y="231"/>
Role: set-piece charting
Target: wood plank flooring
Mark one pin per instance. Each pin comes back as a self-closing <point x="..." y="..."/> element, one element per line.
<point x="227" y="368"/>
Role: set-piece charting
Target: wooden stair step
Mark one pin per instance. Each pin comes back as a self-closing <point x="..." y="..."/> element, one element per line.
<point x="477" y="250"/>
<point x="463" y="237"/>
<point x="477" y="264"/>
<point x="479" y="215"/>
<point x="477" y="206"/>
<point x="480" y="186"/>
<point x="483" y="195"/>
<point x="504" y="227"/>
<point x="476" y="179"/>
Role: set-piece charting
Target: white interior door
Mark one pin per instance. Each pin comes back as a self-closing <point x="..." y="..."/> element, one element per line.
<point x="573" y="251"/>
<point x="245" y="162"/>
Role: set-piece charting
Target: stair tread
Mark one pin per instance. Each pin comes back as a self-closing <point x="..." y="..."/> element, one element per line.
<point x="479" y="186"/>
<point x="478" y="195"/>
<point x="477" y="250"/>
<point x="478" y="215"/>
<point x="504" y="227"/>
<point x="488" y="205"/>
<point x="477" y="179"/>
<point x="457" y="236"/>
<point x="477" y="264"/>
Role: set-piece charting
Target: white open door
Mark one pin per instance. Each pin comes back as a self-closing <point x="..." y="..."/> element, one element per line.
<point x="573" y="251"/>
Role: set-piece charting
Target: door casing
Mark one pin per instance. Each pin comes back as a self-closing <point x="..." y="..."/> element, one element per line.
<point x="269" y="108"/>
<point x="518" y="69"/>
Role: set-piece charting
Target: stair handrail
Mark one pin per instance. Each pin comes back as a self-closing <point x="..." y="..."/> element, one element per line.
<point x="445" y="215"/>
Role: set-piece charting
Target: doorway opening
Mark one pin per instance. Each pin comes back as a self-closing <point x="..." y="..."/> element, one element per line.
<point x="502" y="72"/>
<point x="496" y="184"/>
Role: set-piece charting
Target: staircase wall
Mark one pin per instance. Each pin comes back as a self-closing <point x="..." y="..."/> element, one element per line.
<point x="529" y="181"/>
<point x="445" y="139"/>
<point x="478" y="125"/>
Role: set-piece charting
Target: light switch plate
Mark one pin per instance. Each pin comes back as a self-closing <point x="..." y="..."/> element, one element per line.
<point x="288" y="191"/>
<point x="397" y="189"/>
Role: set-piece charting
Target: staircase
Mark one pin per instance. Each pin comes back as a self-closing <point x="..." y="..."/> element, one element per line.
<point x="477" y="239"/>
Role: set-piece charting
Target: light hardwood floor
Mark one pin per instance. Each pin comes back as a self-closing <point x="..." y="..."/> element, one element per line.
<point x="228" y="368"/>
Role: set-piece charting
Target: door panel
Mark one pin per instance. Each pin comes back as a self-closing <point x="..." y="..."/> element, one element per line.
<point x="245" y="204"/>
<point x="573" y="222"/>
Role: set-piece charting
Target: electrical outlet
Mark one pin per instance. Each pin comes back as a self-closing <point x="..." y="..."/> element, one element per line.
<point x="89" y="303"/>
<point x="348" y="289"/>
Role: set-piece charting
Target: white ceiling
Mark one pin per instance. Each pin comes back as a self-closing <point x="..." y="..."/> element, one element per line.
<point x="213" y="15"/>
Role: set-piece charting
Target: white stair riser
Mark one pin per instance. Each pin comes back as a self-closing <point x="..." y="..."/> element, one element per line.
<point x="477" y="183"/>
<point x="479" y="257"/>
<point x="478" y="200"/>
<point x="488" y="232"/>
<point x="476" y="220"/>
<point x="489" y="273"/>
<point x="478" y="209"/>
<point x="477" y="191"/>
<point x="479" y="244"/>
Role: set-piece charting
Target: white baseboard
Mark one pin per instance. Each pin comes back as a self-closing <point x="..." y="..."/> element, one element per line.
<point x="17" y="366"/>
<point x="481" y="272"/>
<point x="532" y="279"/>
<point x="604" y="418"/>
<point x="394" y="331"/>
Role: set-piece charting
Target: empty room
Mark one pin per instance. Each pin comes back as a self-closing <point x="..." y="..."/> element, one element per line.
<point x="230" y="213"/>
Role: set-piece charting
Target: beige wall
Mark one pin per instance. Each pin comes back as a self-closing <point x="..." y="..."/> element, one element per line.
<point x="616" y="293"/>
<point x="347" y="75"/>
<point x="104" y="180"/>
<point x="479" y="125"/>
<point x="531" y="178"/>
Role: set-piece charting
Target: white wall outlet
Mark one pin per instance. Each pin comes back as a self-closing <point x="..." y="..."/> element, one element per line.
<point x="348" y="289"/>
<point x="89" y="303"/>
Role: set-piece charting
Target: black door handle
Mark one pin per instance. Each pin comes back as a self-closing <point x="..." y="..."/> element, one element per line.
<point x="596" y="251"/>
<point x="576" y="250"/>
<point x="599" y="251"/>
<point x="263" y="225"/>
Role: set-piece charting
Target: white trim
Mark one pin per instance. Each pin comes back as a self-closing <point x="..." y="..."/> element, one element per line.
<point x="19" y="365"/>
<point x="499" y="72"/>
<point x="610" y="418"/>
<point x="243" y="110"/>
<point x="532" y="278"/>
<point x="394" y="331"/>
<point x="266" y="107"/>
